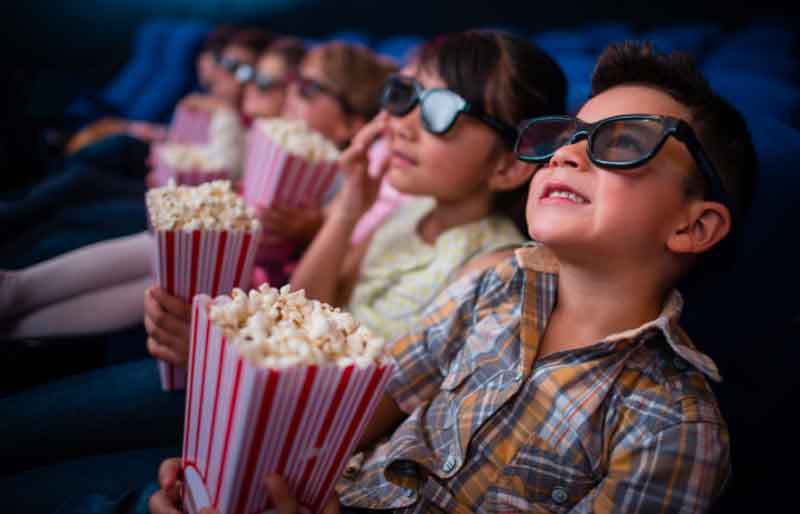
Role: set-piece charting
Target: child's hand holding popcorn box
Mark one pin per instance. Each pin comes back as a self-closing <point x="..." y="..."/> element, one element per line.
<point x="206" y="241"/>
<point x="277" y="384"/>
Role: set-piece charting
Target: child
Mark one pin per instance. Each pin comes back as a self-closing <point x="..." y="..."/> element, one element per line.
<point x="560" y="381"/>
<point x="335" y="91"/>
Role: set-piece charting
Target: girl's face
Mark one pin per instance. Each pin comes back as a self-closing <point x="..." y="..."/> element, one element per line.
<point x="260" y="100"/>
<point x="450" y="167"/>
<point x="225" y="85"/>
<point x="312" y="98"/>
<point x="206" y="69"/>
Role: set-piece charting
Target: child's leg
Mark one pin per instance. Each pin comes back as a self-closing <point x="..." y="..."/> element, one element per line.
<point x="97" y="266"/>
<point x="104" y="310"/>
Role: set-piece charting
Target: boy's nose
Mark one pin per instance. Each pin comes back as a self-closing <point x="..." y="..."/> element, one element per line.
<point x="571" y="156"/>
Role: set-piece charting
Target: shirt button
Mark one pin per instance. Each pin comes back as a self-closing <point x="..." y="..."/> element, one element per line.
<point x="559" y="495"/>
<point x="449" y="464"/>
<point x="680" y="364"/>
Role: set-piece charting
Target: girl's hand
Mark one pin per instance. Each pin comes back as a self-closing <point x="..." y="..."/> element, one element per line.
<point x="299" y="224"/>
<point x="360" y="188"/>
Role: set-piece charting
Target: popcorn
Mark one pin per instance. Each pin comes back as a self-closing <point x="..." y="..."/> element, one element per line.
<point x="296" y="138"/>
<point x="277" y="329"/>
<point x="209" y="206"/>
<point x="222" y="151"/>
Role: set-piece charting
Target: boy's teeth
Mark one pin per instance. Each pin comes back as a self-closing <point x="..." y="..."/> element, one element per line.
<point x="565" y="194"/>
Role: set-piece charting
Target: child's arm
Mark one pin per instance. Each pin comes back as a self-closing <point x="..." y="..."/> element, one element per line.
<point x="385" y="419"/>
<point x="320" y="271"/>
<point x="681" y="468"/>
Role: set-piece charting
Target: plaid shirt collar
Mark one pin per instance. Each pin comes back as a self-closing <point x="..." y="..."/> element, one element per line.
<point x="536" y="258"/>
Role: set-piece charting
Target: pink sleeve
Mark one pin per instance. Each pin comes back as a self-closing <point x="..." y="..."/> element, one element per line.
<point x="388" y="197"/>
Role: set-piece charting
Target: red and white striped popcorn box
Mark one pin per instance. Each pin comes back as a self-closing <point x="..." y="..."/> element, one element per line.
<point x="243" y="422"/>
<point x="188" y="263"/>
<point x="163" y="171"/>
<point x="273" y="176"/>
<point x="190" y="126"/>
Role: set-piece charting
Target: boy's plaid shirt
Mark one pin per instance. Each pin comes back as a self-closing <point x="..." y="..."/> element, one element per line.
<point x="628" y="424"/>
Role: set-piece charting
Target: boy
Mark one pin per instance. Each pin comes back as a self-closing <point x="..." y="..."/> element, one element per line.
<point x="512" y="396"/>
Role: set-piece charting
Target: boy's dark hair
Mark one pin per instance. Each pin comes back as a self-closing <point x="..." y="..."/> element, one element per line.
<point x="291" y="49"/>
<point x="720" y="128"/>
<point x="504" y="75"/>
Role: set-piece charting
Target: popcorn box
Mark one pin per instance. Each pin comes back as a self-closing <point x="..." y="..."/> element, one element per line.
<point x="273" y="176"/>
<point x="187" y="263"/>
<point x="163" y="171"/>
<point x="243" y="422"/>
<point x="189" y="126"/>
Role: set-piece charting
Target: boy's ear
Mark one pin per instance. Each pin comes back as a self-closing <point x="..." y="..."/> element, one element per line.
<point x="706" y="224"/>
<point x="510" y="173"/>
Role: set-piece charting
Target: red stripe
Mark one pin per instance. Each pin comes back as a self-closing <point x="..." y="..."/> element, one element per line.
<point x="228" y="431"/>
<point x="354" y="422"/>
<point x="202" y="396"/>
<point x="325" y="429"/>
<point x="282" y="179"/>
<point x="296" y="168"/>
<point x="258" y="436"/>
<point x="242" y="257"/>
<point x="170" y="262"/>
<point x="193" y="272"/>
<point x="223" y="237"/>
<point x="298" y="415"/>
<point x="189" y="379"/>
<point x="216" y="403"/>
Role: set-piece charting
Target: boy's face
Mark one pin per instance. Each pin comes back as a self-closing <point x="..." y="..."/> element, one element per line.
<point x="618" y="216"/>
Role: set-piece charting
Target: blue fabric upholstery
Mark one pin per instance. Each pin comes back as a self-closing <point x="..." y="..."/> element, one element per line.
<point x="399" y="48"/>
<point x="691" y="38"/>
<point x="174" y="76"/>
<point x="758" y="94"/>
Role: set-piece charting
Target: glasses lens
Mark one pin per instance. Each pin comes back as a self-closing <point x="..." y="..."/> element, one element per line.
<point x="626" y="141"/>
<point x="264" y="82"/>
<point x="399" y="96"/>
<point x="244" y="73"/>
<point x="308" y="88"/>
<point x="540" y="140"/>
<point x="440" y="108"/>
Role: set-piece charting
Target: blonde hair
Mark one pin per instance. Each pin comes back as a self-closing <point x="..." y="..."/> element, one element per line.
<point x="355" y="72"/>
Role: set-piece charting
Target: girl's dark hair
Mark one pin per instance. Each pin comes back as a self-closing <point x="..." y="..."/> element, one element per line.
<point x="218" y="38"/>
<point x="291" y="49"/>
<point x="503" y="75"/>
<point x="252" y="38"/>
